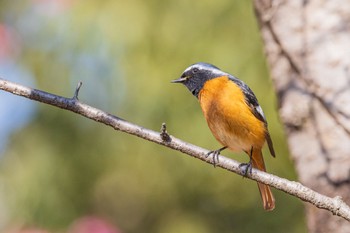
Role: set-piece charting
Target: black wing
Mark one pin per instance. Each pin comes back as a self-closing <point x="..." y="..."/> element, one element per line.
<point x="250" y="99"/>
<point x="254" y="106"/>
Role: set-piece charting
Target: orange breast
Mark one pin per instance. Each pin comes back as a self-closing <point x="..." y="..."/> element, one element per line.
<point x="229" y="117"/>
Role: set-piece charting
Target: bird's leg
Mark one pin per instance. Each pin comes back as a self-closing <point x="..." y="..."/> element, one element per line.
<point x="246" y="168"/>
<point x="215" y="154"/>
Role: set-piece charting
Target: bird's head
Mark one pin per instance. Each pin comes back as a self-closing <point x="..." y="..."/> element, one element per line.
<point x="197" y="74"/>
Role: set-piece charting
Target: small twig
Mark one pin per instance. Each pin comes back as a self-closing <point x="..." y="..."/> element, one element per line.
<point x="335" y="205"/>
<point x="164" y="134"/>
<point x="77" y="89"/>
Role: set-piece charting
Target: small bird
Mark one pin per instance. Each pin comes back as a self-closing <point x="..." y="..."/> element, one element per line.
<point x="234" y="116"/>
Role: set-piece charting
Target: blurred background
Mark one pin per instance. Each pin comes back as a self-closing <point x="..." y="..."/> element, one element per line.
<point x="60" y="172"/>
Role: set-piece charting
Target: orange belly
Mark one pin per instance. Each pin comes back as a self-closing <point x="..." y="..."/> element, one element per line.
<point x="229" y="117"/>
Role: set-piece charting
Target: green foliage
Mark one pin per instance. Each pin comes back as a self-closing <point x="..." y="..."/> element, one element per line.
<point x="63" y="166"/>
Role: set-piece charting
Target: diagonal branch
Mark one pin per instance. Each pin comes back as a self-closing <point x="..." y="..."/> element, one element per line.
<point x="335" y="205"/>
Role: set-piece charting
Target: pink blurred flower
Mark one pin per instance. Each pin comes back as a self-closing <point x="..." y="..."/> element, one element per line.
<point x="92" y="224"/>
<point x="9" y="42"/>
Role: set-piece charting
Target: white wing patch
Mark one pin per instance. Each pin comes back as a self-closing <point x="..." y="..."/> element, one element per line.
<point x="260" y="111"/>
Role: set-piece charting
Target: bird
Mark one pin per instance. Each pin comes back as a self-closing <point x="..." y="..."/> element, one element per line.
<point x="234" y="117"/>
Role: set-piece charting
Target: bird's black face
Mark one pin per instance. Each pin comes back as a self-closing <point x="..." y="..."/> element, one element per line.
<point x="197" y="74"/>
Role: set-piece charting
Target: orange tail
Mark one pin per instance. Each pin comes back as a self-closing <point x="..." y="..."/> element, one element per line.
<point x="265" y="191"/>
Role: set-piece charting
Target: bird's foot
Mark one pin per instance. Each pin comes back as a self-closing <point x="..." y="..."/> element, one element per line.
<point x="246" y="168"/>
<point x="215" y="154"/>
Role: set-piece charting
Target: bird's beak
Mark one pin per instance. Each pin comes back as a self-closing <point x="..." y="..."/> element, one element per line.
<point x="179" y="80"/>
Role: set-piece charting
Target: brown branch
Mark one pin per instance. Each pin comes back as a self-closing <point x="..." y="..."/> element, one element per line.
<point x="335" y="205"/>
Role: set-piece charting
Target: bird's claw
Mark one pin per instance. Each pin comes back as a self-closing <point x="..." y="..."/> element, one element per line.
<point x="246" y="168"/>
<point x="215" y="154"/>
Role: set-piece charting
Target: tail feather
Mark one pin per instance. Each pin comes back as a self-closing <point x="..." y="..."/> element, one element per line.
<point x="265" y="191"/>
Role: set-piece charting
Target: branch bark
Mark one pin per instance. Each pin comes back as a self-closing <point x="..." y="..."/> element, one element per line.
<point x="334" y="205"/>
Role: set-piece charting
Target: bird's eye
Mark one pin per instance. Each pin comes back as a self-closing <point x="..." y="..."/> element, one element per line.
<point x="195" y="70"/>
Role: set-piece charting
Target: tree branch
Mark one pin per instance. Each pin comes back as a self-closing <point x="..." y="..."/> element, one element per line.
<point x="335" y="205"/>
